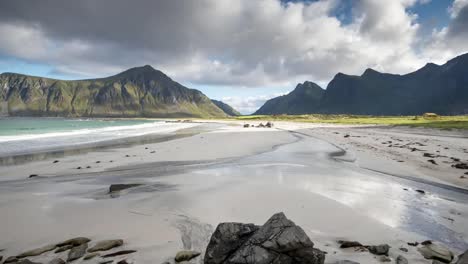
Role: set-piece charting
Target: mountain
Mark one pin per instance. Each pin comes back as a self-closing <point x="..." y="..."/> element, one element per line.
<point x="229" y="110"/>
<point x="441" y="89"/>
<point x="304" y="99"/>
<point x="141" y="91"/>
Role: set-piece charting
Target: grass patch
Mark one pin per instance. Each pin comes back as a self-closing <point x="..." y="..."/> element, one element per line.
<point x="443" y="122"/>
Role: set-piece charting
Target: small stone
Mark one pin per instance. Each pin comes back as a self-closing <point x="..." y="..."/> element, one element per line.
<point x="106" y="245"/>
<point x="404" y="249"/>
<point x="384" y="259"/>
<point x="98" y="161"/>
<point x="421" y="191"/>
<point x="346" y="262"/>
<point x="413" y="244"/>
<point x="77" y="252"/>
<point x="246" y="125"/>
<point x="37" y="251"/>
<point x="348" y="244"/>
<point x="106" y="262"/>
<point x="346" y="136"/>
<point x="118" y="253"/>
<point x="57" y="261"/>
<point x="432" y="161"/>
<point x="91" y="255"/>
<point x="63" y="248"/>
<point x="401" y="260"/>
<point x="33" y="175"/>
<point x="426" y="242"/>
<point x="78" y="168"/>
<point x="186" y="255"/>
<point x="1" y="257"/>
<point x="379" y="249"/>
<point x="74" y="241"/>
<point x="56" y="161"/>
<point x="120" y="187"/>
<point x="123" y="261"/>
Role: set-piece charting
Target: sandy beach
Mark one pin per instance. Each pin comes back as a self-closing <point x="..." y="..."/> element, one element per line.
<point x="336" y="182"/>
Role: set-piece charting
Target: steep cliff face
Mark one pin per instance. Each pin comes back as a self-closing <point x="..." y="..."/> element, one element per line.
<point x="304" y="99"/>
<point x="141" y="91"/>
<point x="442" y="89"/>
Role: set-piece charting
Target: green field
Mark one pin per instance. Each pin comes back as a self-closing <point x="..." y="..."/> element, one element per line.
<point x="443" y="122"/>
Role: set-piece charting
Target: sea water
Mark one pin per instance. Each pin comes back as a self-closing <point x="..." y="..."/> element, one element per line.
<point x="20" y="135"/>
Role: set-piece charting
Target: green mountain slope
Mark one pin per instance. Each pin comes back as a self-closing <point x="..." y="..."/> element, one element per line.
<point x="304" y="99"/>
<point x="137" y="92"/>
<point x="229" y="110"/>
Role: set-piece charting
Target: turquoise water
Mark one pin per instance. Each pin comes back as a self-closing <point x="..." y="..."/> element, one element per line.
<point x="29" y="126"/>
<point x="31" y="135"/>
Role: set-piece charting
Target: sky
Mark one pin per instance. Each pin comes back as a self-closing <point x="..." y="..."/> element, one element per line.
<point x="242" y="52"/>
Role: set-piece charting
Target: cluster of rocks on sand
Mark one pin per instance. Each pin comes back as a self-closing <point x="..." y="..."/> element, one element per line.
<point x="77" y="248"/>
<point x="278" y="241"/>
<point x="281" y="241"/>
<point x="268" y="125"/>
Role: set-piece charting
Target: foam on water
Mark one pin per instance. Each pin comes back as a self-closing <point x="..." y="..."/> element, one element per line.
<point x="78" y="132"/>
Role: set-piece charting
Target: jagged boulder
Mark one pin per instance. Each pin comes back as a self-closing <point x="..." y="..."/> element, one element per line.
<point x="279" y="240"/>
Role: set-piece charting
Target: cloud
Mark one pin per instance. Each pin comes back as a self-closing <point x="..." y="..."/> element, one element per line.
<point x="219" y="42"/>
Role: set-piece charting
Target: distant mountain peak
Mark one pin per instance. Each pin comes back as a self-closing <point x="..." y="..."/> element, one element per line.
<point x="369" y="72"/>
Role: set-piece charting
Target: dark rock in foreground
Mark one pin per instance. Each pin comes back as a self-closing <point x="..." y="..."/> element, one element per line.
<point x="278" y="241"/>
<point x="119" y="187"/>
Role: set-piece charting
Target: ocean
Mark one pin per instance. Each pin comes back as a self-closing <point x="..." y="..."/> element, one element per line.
<point x="21" y="135"/>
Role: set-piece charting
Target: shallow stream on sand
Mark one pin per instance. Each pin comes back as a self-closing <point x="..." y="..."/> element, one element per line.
<point x="181" y="203"/>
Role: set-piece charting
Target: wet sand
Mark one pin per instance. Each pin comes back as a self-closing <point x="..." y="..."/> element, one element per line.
<point x="229" y="173"/>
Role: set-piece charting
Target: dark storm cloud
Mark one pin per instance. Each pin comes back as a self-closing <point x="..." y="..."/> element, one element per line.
<point x="219" y="42"/>
<point x="458" y="29"/>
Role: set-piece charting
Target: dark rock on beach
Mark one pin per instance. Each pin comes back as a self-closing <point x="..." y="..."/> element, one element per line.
<point x="463" y="258"/>
<point x="348" y="244"/>
<point x="33" y="175"/>
<point x="279" y="240"/>
<point x="91" y="255"/>
<point x="379" y="249"/>
<point x="346" y="262"/>
<point x="77" y="252"/>
<point x="186" y="255"/>
<point x="436" y="252"/>
<point x="57" y="261"/>
<point x="12" y="259"/>
<point x="63" y="248"/>
<point x="106" y="245"/>
<point x="119" y="187"/>
<point x="401" y="260"/>
<point x="74" y="241"/>
<point x="118" y="253"/>
<point x="462" y="166"/>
